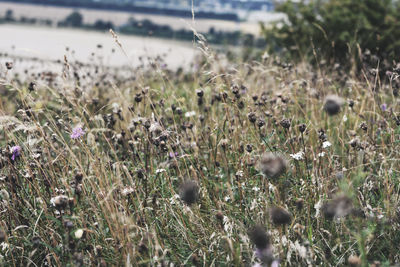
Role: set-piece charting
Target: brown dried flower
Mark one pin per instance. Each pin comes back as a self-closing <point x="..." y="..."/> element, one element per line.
<point x="272" y="165"/>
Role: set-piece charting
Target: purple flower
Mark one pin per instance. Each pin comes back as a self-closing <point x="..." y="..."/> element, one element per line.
<point x="173" y="155"/>
<point x="16" y="152"/>
<point x="77" y="133"/>
<point x="275" y="263"/>
<point x="384" y="107"/>
<point x="265" y="254"/>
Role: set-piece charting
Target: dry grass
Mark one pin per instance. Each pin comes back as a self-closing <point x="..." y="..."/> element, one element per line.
<point x="121" y="182"/>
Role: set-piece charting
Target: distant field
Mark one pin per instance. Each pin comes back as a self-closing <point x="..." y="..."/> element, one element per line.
<point x="50" y="44"/>
<point x="119" y="18"/>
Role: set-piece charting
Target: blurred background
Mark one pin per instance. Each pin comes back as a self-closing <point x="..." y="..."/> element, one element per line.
<point x="49" y="29"/>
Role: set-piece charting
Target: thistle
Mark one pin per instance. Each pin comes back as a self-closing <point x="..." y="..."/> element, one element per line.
<point x="333" y="104"/>
<point x="189" y="192"/>
<point x="272" y="165"/>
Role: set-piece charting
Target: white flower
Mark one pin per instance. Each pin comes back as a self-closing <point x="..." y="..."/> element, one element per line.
<point x="321" y="154"/>
<point x="160" y="170"/>
<point x="326" y="144"/>
<point x="115" y="107"/>
<point x="4" y="246"/>
<point x="190" y="114"/>
<point x="174" y="199"/>
<point x="253" y="204"/>
<point x="298" y="155"/>
<point x="127" y="190"/>
<point x="78" y="234"/>
<point x="318" y="207"/>
<point x="256" y="189"/>
<point x="344" y="118"/>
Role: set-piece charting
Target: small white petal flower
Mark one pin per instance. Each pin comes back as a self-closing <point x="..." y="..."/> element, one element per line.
<point x="127" y="191"/>
<point x="79" y="233"/>
<point x="190" y="114"/>
<point x="321" y="154"/>
<point x="160" y="171"/>
<point x="4" y="246"/>
<point x="326" y="144"/>
<point x="256" y="189"/>
<point x="298" y="155"/>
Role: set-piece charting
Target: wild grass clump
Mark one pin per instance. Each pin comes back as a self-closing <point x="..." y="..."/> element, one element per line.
<point x="234" y="164"/>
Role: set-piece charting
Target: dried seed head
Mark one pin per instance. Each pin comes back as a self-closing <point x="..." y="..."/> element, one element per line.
<point x="364" y="126"/>
<point x="9" y="65"/>
<point x="224" y="143"/>
<point x="68" y="224"/>
<point x="36" y="241"/>
<point x="260" y="122"/>
<point x="332" y="104"/>
<point x="199" y="93"/>
<point x="280" y="216"/>
<point x="60" y="202"/>
<point x="249" y="148"/>
<point x="354" y="260"/>
<point x="219" y="216"/>
<point x="339" y="207"/>
<point x="195" y="260"/>
<point x="302" y="128"/>
<point x="285" y="123"/>
<point x="252" y="117"/>
<point x="272" y="165"/>
<point x="138" y="98"/>
<point x="259" y="237"/>
<point x="355" y="142"/>
<point x="189" y="192"/>
<point x="78" y="177"/>
<point x="299" y="203"/>
<point x="32" y="86"/>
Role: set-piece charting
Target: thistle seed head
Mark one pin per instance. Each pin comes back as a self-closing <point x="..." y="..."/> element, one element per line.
<point x="333" y="104"/>
<point x="272" y="165"/>
<point x="189" y="192"/>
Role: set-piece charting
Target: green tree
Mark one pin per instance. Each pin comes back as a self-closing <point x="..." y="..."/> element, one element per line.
<point x="337" y="30"/>
<point x="75" y="19"/>
<point x="9" y="15"/>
